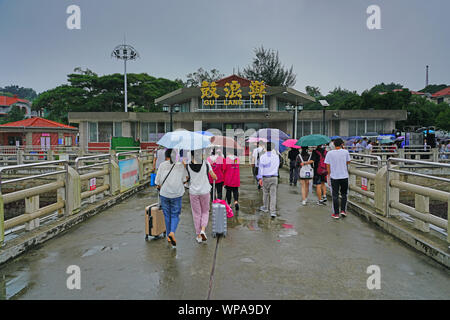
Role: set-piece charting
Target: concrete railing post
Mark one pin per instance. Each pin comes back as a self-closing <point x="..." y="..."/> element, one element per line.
<point x="114" y="178"/>
<point x="31" y="206"/>
<point x="422" y="204"/>
<point x="435" y="154"/>
<point x="2" y="220"/>
<point x="73" y="201"/>
<point x="381" y="190"/>
<point x="401" y="153"/>
<point x="50" y="155"/>
<point x="141" y="169"/>
<point x="19" y="156"/>
<point x="61" y="194"/>
<point x="106" y="179"/>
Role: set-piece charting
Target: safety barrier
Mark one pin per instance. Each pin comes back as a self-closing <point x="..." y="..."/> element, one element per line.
<point x="31" y="195"/>
<point x="421" y="211"/>
<point x="74" y="186"/>
<point x="89" y="177"/>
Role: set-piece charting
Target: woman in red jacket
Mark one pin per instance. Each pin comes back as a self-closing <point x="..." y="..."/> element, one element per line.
<point x="217" y="163"/>
<point x="232" y="178"/>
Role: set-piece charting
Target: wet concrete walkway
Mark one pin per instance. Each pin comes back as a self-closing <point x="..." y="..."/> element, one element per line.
<point x="302" y="254"/>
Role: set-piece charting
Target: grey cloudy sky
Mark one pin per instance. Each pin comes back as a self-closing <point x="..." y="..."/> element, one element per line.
<point x="327" y="41"/>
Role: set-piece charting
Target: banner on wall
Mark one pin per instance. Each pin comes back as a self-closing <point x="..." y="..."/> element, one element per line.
<point x="129" y="174"/>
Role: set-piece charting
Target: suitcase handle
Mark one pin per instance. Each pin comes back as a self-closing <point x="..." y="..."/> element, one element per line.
<point x="214" y="190"/>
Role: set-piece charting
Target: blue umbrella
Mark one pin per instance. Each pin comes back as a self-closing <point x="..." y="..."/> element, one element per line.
<point x="272" y="135"/>
<point x="184" y="140"/>
<point x="205" y="133"/>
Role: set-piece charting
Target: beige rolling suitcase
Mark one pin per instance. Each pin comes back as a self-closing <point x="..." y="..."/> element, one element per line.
<point x="155" y="225"/>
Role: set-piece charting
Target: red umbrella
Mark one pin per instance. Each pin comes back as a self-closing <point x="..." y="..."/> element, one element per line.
<point x="226" y="142"/>
<point x="290" y="143"/>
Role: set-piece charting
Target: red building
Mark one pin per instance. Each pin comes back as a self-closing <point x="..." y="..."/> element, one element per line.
<point x="37" y="131"/>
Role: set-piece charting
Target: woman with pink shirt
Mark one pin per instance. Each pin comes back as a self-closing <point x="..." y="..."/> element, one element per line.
<point x="232" y="178"/>
<point x="217" y="163"/>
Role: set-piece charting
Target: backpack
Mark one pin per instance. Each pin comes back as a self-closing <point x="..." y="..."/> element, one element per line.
<point x="322" y="167"/>
<point x="306" y="171"/>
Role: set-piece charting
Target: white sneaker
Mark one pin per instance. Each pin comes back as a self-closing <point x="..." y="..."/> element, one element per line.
<point x="304" y="202"/>
<point x="273" y="215"/>
<point x="203" y="235"/>
<point x="263" y="209"/>
<point x="199" y="240"/>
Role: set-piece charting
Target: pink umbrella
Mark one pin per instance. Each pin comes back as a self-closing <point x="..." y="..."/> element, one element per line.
<point x="290" y="143"/>
<point x="254" y="139"/>
<point x="227" y="142"/>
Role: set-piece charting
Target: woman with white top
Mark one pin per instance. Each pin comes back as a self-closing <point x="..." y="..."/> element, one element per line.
<point x="170" y="183"/>
<point x="199" y="189"/>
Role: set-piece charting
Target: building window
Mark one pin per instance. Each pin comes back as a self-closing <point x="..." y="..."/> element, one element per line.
<point x="133" y="130"/>
<point x="105" y="131"/>
<point x="185" y="107"/>
<point x="117" y="129"/>
<point x="359" y="127"/>
<point x="335" y="124"/>
<point x="152" y="131"/>
<point x="68" y="141"/>
<point x="92" y="128"/>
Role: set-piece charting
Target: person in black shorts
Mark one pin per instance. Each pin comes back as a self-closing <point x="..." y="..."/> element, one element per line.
<point x="319" y="180"/>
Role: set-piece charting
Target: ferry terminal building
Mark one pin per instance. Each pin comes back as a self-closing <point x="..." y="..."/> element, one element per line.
<point x="230" y="103"/>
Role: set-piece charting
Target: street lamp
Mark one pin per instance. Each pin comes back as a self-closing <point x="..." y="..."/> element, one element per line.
<point x="295" y="109"/>
<point x="171" y="109"/>
<point x="324" y="104"/>
<point x="125" y="52"/>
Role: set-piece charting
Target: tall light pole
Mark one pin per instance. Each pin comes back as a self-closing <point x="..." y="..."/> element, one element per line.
<point x="324" y="104"/>
<point x="295" y="109"/>
<point x="171" y="109"/>
<point x="125" y="52"/>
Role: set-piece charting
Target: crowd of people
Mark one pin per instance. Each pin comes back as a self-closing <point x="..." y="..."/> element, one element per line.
<point x="177" y="170"/>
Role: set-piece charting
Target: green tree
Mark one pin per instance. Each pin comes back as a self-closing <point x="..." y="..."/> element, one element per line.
<point x="196" y="78"/>
<point x="267" y="67"/>
<point x="15" y="114"/>
<point x="313" y="91"/>
<point x="21" y="92"/>
<point x="88" y="92"/>
<point x="443" y="119"/>
<point x="382" y="87"/>
<point x="433" y="88"/>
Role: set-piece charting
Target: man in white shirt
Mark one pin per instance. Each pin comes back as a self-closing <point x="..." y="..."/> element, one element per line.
<point x="269" y="164"/>
<point x="337" y="161"/>
<point x="158" y="157"/>
<point x="257" y="152"/>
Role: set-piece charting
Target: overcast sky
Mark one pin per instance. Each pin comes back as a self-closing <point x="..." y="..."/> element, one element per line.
<point x="327" y="41"/>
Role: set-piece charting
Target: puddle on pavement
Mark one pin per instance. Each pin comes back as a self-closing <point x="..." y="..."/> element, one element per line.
<point x="14" y="285"/>
<point x="96" y="249"/>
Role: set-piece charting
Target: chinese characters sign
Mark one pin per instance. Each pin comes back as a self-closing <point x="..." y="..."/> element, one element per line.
<point x="233" y="94"/>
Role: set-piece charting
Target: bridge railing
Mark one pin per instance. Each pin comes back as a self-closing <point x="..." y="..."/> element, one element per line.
<point x="362" y="173"/>
<point x="422" y="194"/>
<point x="90" y="170"/>
<point x="31" y="217"/>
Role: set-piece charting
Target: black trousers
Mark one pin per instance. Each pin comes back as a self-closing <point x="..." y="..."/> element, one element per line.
<point x="293" y="172"/>
<point x="339" y="186"/>
<point x="219" y="187"/>
<point x="235" y="191"/>
<point x="255" y="172"/>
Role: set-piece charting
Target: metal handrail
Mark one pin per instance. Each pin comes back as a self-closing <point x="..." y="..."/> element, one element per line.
<point x="362" y="155"/>
<point x="78" y="159"/>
